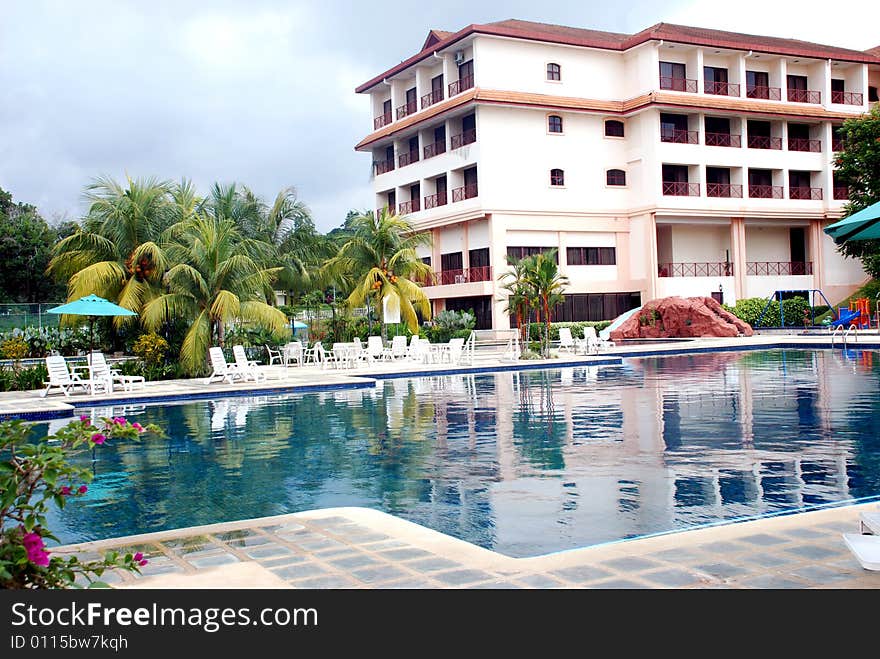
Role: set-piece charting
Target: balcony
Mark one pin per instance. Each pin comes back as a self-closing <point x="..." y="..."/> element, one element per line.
<point x="841" y="192"/>
<point x="381" y="120"/>
<point x="435" y="149"/>
<point x="383" y="166"/>
<point x="804" y="96"/>
<point x="765" y="142"/>
<point x="764" y="93"/>
<point x="803" y="144"/>
<point x="765" y="192"/>
<point x="695" y="269"/>
<point x="383" y="209"/>
<point x="678" y="84"/>
<point x="435" y="200"/>
<point x="406" y="109"/>
<point x="847" y="98"/>
<point x="408" y="158"/>
<point x="408" y="207"/>
<point x="803" y="192"/>
<point x="729" y="190"/>
<point x="432" y="97"/>
<point x="461" y="85"/>
<point x="723" y="139"/>
<point x="680" y="136"/>
<point x="464" y="276"/>
<point x="837" y="143"/>
<point x="460" y="140"/>
<point x="464" y="192"/>
<point x="681" y="189"/>
<point x="778" y="269"/>
<point x="721" y="88"/>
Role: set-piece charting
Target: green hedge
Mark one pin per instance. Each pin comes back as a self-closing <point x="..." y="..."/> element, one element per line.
<point x="750" y="309"/>
<point x="23" y="379"/>
<point x="577" y="329"/>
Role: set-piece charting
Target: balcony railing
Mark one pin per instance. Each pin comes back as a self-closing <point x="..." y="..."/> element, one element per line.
<point x="680" y="136"/>
<point x="723" y="139"/>
<point x="435" y="149"/>
<point x="803" y="192"/>
<point x="837" y="143"/>
<point x="463" y="276"/>
<point x="407" y="207"/>
<point x="721" y="88"/>
<point x="695" y="269"/>
<point x="765" y="142"/>
<point x="435" y="200"/>
<point x="765" y="191"/>
<point x="778" y="269"/>
<point x="407" y="158"/>
<point x="384" y="209"/>
<point x="464" y="192"/>
<point x="383" y="166"/>
<point x="461" y="85"/>
<point x="460" y="140"/>
<point x="765" y="93"/>
<point x="724" y="190"/>
<point x="381" y="120"/>
<point x="847" y="98"/>
<point x="841" y="192"/>
<point x="406" y="109"/>
<point x="681" y="189"/>
<point x="804" y="144"/>
<point x="432" y="97"/>
<point x="804" y="96"/>
<point x="678" y="84"/>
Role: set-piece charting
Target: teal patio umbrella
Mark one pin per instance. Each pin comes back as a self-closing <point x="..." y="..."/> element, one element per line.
<point x="864" y="225"/>
<point x="92" y="306"/>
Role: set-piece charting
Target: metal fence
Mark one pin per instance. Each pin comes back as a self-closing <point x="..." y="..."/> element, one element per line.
<point x="27" y="315"/>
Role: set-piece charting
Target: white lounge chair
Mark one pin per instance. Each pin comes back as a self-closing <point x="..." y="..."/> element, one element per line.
<point x="869" y="522"/>
<point x="274" y="355"/>
<point x="456" y="350"/>
<point x="375" y="348"/>
<point x="221" y="368"/>
<point x="323" y="357"/>
<point x="566" y="341"/>
<point x="293" y="353"/>
<point x="101" y="371"/>
<point x="61" y="378"/>
<point x="362" y="354"/>
<point x="866" y="549"/>
<point x="250" y="370"/>
<point x="418" y="349"/>
<point x="398" y="347"/>
<point x="593" y="342"/>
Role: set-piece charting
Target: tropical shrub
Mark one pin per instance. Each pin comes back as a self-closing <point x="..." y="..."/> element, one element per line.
<point x="23" y="379"/>
<point x="34" y="475"/>
<point x="151" y="348"/>
<point x="750" y="310"/>
<point x="577" y="328"/>
<point x="450" y="325"/>
<point x="14" y="348"/>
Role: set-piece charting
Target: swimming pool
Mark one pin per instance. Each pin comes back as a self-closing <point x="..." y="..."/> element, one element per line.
<point x="524" y="462"/>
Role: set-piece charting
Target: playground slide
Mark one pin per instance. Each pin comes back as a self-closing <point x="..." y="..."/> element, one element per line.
<point x="847" y="317"/>
<point x="617" y="322"/>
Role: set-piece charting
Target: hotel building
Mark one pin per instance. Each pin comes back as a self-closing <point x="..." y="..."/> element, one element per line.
<point x="675" y="161"/>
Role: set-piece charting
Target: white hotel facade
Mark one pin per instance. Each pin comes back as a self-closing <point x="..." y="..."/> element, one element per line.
<point x="676" y="161"/>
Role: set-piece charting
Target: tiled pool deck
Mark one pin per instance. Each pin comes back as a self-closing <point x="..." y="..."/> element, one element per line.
<point x="361" y="548"/>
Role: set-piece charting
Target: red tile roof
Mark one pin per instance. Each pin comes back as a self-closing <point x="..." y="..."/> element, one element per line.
<point x="438" y="40"/>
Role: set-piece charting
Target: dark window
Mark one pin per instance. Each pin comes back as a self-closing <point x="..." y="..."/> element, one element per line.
<point x="386" y="107"/>
<point x="591" y="256"/>
<point x="389" y="153"/>
<point x="797" y="179"/>
<point x="415" y="194"/>
<point x="426" y="260"/>
<point x="479" y="258"/>
<point x="519" y="253"/>
<point x="615" y="177"/>
<point x="759" y="128"/>
<point x="715" y="80"/>
<point x="718" y="175"/>
<point x="440" y="134"/>
<point x="675" y="173"/>
<point x="554" y="123"/>
<point x="451" y="261"/>
<point x="872" y="95"/>
<point x="798" y="132"/>
<point x="554" y="72"/>
<point x="557" y="177"/>
<point x="797" y="82"/>
<point x="838" y="85"/>
<point x="392" y="201"/>
<point x="613" y="128"/>
<point x="592" y="306"/>
<point x="672" y="125"/>
<point x="672" y="76"/>
<point x="437" y="88"/>
<point x="760" y="177"/>
<point x="466" y="71"/>
<point x="468" y="122"/>
<point x="718" y="125"/>
<point x="758" y="84"/>
<point x="441" y="184"/>
<point x="470" y="178"/>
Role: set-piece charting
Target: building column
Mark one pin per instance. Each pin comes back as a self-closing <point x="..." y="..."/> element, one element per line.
<point x="498" y="260"/>
<point x="653" y="273"/>
<point x="738" y="255"/>
<point x="465" y="248"/>
<point x="816" y="236"/>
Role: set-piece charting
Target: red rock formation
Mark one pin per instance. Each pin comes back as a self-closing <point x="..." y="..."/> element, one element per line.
<point x="678" y="317"/>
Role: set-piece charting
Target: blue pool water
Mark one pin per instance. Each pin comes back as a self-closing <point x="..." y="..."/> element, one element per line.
<point x="524" y="463"/>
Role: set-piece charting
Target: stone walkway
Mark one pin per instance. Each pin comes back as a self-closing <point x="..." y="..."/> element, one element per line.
<point x="361" y="548"/>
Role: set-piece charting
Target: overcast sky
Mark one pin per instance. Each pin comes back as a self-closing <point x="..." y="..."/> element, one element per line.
<point x="262" y="91"/>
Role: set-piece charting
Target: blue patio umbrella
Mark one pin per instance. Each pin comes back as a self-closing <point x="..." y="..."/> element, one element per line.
<point x="864" y="225"/>
<point x="298" y="325"/>
<point x="92" y="306"/>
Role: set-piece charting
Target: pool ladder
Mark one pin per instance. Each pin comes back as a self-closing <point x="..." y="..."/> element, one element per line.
<point x="845" y="333"/>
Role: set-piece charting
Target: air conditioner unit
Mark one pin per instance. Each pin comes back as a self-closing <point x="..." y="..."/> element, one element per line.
<point x="459" y="56"/>
<point x="459" y="279"/>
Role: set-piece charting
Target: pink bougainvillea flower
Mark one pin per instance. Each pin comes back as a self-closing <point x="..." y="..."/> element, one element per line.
<point x="83" y="489"/>
<point x="143" y="562"/>
<point x="119" y="420"/>
<point x="36" y="552"/>
<point x="66" y="490"/>
<point x="85" y="418"/>
<point x="138" y="557"/>
<point x="138" y="427"/>
<point x="98" y="438"/>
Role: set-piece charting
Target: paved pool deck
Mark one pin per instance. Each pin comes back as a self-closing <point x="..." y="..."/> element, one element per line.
<point x="363" y="548"/>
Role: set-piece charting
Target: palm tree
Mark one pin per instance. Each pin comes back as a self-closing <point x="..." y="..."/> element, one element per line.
<point x="380" y="261"/>
<point x="547" y="284"/>
<point x="520" y="298"/>
<point x="116" y="253"/>
<point x="219" y="277"/>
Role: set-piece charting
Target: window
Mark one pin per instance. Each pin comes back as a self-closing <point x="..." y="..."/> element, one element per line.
<point x="557" y="177"/>
<point x="591" y="256"/>
<point x="554" y="71"/>
<point x="673" y="76"/>
<point x="615" y="177"/>
<point x="872" y="94"/>
<point x="554" y="123"/>
<point x="519" y="253"/>
<point x="613" y="128"/>
<point x="715" y="80"/>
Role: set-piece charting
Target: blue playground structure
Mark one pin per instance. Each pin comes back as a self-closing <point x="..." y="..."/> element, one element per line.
<point x="777" y="295"/>
<point x="859" y="316"/>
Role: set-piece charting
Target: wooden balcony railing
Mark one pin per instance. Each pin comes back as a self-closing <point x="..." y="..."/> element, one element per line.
<point x="681" y="189"/>
<point x="463" y="276"/>
<point x="765" y="192"/>
<point x="733" y="190"/>
<point x="837" y="143"/>
<point x="460" y="140"/>
<point x="383" y="166"/>
<point x="461" y="85"/>
<point x="803" y="192"/>
<point x="407" y="158"/>
<point x="680" y="136"/>
<point x="765" y="142"/>
<point x="804" y="144"/>
<point x="847" y="98"/>
<point x="721" y="88"/>
<point x="464" y="192"/>
<point x="384" y="209"/>
<point x="841" y="192"/>
<point x="778" y="269"/>
<point x="695" y="269"/>
<point x="435" y="200"/>
<point x="764" y="93"/>
<point x="381" y="120"/>
<point x="723" y="139"/>
<point x="406" y="109"/>
<point x="435" y="149"/>
<point x="432" y="97"/>
<point x="678" y="84"/>
<point x="407" y="207"/>
<point x="804" y="96"/>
